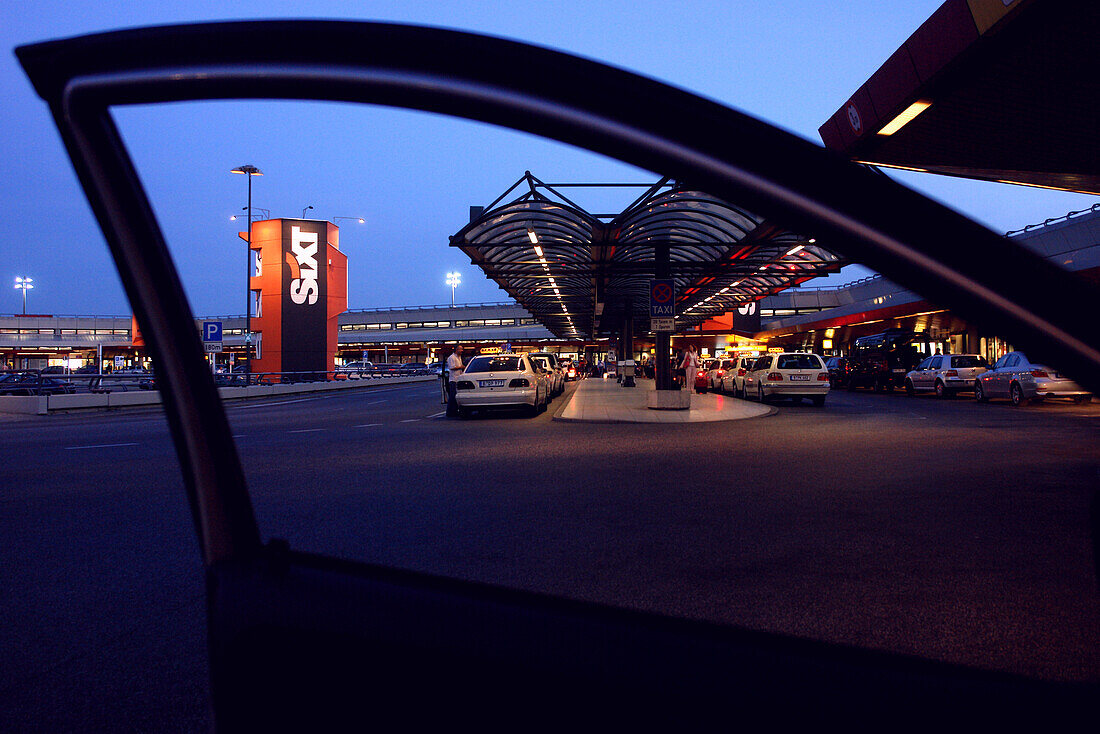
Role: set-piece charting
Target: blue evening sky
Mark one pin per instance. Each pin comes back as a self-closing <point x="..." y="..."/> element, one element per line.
<point x="413" y="176"/>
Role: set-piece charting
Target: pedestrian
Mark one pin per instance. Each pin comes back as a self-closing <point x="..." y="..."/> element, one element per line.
<point x="454" y="370"/>
<point x="690" y="366"/>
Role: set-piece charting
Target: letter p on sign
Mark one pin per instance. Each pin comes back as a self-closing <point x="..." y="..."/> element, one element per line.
<point x="211" y="331"/>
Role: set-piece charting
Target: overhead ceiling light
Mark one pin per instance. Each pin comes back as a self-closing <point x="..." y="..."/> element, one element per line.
<point x="812" y="240"/>
<point x="538" y="250"/>
<point x="794" y="250"/>
<point x="905" y="117"/>
<point x="532" y="236"/>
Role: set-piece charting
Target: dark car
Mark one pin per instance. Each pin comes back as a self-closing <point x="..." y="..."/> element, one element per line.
<point x="838" y="371"/>
<point x="301" y="640"/>
<point x="32" y="383"/>
<point x="881" y="361"/>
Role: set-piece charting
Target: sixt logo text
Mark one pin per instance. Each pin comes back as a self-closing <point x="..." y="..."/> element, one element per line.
<point x="302" y="260"/>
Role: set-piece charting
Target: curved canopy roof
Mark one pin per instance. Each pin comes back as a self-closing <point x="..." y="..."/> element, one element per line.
<point x="580" y="273"/>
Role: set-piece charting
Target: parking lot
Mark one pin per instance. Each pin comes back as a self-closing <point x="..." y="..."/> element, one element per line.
<point x="943" y="528"/>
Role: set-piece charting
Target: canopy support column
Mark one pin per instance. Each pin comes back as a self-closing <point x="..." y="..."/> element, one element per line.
<point x="663" y="367"/>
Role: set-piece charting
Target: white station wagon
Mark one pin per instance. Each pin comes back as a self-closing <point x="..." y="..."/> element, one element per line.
<point x="794" y="375"/>
<point x="501" y="381"/>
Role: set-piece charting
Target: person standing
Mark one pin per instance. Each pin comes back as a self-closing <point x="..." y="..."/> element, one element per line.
<point x="690" y="366"/>
<point x="455" y="367"/>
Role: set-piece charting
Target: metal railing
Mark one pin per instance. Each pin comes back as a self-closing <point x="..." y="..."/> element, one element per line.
<point x="1053" y="220"/>
<point x="16" y="383"/>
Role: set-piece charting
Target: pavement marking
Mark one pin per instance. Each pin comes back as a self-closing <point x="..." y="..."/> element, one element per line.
<point x="306" y="430"/>
<point x="367" y="425"/>
<point x="281" y="402"/>
<point x="375" y="402"/>
<point x="437" y="415"/>
<point x="410" y="420"/>
<point x="238" y="435"/>
<point x="99" y="446"/>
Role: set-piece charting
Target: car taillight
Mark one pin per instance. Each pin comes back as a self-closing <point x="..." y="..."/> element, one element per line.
<point x="822" y="376"/>
<point x="463" y="385"/>
<point x="721" y="372"/>
<point x="741" y="372"/>
<point x="951" y="373"/>
<point x="774" y="376"/>
<point x="1039" y="373"/>
<point x="701" y="373"/>
<point x="519" y="382"/>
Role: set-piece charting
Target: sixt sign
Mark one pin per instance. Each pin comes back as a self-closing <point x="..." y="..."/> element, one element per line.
<point x="303" y="312"/>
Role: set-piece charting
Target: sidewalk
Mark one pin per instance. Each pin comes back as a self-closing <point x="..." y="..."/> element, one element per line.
<point x="605" y="401"/>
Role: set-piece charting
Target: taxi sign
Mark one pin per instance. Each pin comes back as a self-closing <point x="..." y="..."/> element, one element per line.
<point x="662" y="298"/>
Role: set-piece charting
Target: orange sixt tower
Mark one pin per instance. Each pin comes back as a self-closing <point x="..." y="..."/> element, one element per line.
<point x="299" y="287"/>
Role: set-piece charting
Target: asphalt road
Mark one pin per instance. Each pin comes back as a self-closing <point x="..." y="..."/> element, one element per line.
<point x="947" y="529"/>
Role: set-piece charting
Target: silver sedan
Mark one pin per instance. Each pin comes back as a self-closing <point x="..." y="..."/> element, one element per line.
<point x="1015" y="377"/>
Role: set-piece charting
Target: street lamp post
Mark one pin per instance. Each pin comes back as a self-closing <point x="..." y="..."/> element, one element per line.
<point x="453" y="280"/>
<point x="24" y="284"/>
<point x="248" y="171"/>
<point x="306" y="210"/>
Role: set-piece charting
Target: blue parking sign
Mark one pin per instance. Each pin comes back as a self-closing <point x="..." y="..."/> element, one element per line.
<point x="211" y="331"/>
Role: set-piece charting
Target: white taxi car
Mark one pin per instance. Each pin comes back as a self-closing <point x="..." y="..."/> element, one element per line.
<point x="555" y="373"/>
<point x="794" y="375"/>
<point x="502" y="381"/>
<point x="734" y="379"/>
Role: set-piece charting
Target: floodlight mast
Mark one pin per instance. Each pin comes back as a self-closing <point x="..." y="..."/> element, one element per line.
<point x="453" y="280"/>
<point x="248" y="171"/>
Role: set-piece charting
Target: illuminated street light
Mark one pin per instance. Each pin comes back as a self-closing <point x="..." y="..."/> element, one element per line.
<point x="25" y="284"/>
<point x="453" y="280"/>
<point x="357" y="219"/>
<point x="265" y="213"/>
<point x="248" y="171"/>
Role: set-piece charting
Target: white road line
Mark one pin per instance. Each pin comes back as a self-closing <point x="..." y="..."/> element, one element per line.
<point x="437" y="415"/>
<point x="281" y="402"/>
<point x="367" y="425"/>
<point x="410" y="420"/>
<point x="306" y="430"/>
<point x="99" y="446"/>
<point x="375" y="402"/>
<point x="238" y="435"/>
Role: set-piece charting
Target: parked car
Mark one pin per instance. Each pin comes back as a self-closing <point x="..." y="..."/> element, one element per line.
<point x="549" y="362"/>
<point x="716" y="370"/>
<point x="1017" y="378"/>
<point x="503" y="381"/>
<point x="571" y="370"/>
<point x="31" y="383"/>
<point x="881" y="361"/>
<point x="793" y="375"/>
<point x="436" y="368"/>
<point x="353" y="370"/>
<point x="838" y="371"/>
<point x="734" y="379"/>
<point x="945" y="374"/>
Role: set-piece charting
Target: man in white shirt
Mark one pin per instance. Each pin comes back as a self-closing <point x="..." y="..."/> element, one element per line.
<point x="454" y="371"/>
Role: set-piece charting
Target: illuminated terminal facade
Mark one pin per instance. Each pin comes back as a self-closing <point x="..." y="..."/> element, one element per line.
<point x="824" y="320"/>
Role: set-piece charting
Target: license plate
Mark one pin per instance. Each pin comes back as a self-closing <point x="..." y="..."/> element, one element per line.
<point x="490" y="383"/>
<point x="800" y="377"/>
<point x="899" y="370"/>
